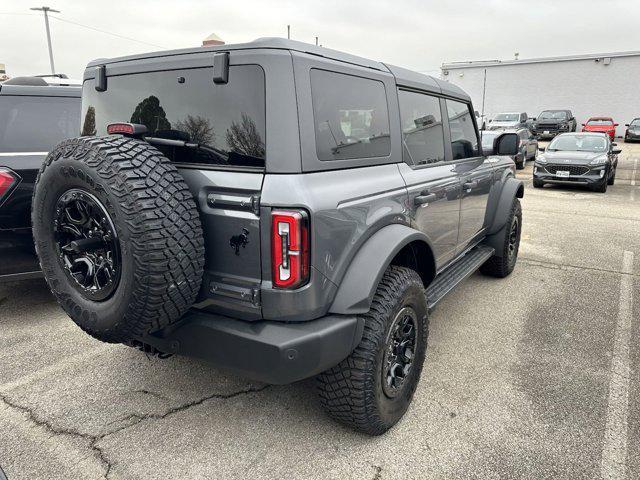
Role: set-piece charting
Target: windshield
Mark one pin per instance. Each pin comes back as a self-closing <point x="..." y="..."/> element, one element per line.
<point x="578" y="143"/>
<point x="506" y="117"/>
<point x="599" y="121"/>
<point x="635" y="123"/>
<point x="488" y="137"/>
<point x="553" y="115"/>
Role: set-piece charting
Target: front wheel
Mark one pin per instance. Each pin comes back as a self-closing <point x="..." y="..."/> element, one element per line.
<point x="504" y="260"/>
<point x="602" y="186"/>
<point x="612" y="178"/>
<point x="371" y="389"/>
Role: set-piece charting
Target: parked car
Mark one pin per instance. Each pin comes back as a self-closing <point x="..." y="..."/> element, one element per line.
<point x="632" y="134"/>
<point x="552" y="122"/>
<point x="589" y="159"/>
<point x="509" y="120"/>
<point x="36" y="113"/>
<point x="527" y="144"/>
<point x="279" y="208"/>
<point x="604" y="125"/>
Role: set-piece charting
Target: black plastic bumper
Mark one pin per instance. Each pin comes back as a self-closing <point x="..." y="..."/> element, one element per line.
<point x="268" y="351"/>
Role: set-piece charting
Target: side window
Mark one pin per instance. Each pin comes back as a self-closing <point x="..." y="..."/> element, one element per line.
<point x="422" y="132"/>
<point x="350" y="115"/>
<point x="464" y="141"/>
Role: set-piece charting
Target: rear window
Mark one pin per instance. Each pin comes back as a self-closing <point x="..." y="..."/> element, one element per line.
<point x="600" y="122"/>
<point x="350" y="115"/>
<point x="37" y="124"/>
<point x="224" y="125"/>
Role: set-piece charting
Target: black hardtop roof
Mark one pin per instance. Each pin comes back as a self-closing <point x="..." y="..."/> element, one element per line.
<point x="41" y="90"/>
<point x="403" y="76"/>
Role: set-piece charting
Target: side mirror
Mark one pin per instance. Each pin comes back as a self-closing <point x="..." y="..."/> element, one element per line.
<point x="542" y="149"/>
<point x="583" y="124"/>
<point x="616" y="151"/>
<point x="626" y="124"/>
<point x="533" y="119"/>
<point x="615" y="124"/>
<point x="491" y="120"/>
<point x="506" y="144"/>
<point x="614" y="144"/>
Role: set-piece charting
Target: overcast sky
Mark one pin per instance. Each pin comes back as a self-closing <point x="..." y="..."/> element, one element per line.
<point x="416" y="34"/>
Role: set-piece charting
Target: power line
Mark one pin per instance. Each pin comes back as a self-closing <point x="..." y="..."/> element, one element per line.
<point x="106" y="32"/>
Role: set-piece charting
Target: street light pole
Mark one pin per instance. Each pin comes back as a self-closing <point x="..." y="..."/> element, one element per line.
<point x="45" y="10"/>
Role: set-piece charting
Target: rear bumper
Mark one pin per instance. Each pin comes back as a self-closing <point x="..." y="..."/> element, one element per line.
<point x="268" y="351"/>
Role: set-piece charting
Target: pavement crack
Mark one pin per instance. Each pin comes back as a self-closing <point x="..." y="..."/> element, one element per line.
<point x="560" y="266"/>
<point x="55" y="430"/>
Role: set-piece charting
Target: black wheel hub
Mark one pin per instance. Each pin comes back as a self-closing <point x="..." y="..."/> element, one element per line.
<point x="399" y="353"/>
<point x="87" y="244"/>
<point x="513" y="237"/>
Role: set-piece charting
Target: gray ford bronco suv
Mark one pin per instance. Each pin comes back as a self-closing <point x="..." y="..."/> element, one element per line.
<point x="281" y="209"/>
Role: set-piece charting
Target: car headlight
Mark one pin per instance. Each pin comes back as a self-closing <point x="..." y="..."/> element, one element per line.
<point x="541" y="160"/>
<point x="600" y="160"/>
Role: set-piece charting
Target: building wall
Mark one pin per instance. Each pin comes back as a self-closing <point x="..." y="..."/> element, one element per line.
<point x="586" y="87"/>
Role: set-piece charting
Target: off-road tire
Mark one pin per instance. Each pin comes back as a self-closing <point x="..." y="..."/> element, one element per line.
<point x="538" y="183"/>
<point x="352" y="391"/>
<point x="501" y="264"/>
<point x="521" y="164"/>
<point x="157" y="224"/>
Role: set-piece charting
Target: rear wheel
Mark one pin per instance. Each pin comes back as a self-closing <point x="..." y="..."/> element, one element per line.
<point x="371" y="389"/>
<point x="503" y="261"/>
<point x="118" y="236"/>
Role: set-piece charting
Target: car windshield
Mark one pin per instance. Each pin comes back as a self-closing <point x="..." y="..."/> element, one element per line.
<point x="553" y="115"/>
<point x="578" y="143"/>
<point x="488" y="137"/>
<point x="635" y="123"/>
<point x="506" y="117"/>
<point x="600" y="121"/>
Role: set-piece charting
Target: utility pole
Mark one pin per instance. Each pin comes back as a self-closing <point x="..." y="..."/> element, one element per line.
<point x="316" y="41"/>
<point x="289" y="32"/>
<point x="45" y="10"/>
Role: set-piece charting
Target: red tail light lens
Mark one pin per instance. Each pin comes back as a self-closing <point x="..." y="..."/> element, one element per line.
<point x="126" y="129"/>
<point x="7" y="181"/>
<point x="289" y="248"/>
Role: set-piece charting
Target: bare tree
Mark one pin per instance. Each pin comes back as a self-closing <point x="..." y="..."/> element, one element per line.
<point x="198" y="128"/>
<point x="244" y="138"/>
<point x="89" y="125"/>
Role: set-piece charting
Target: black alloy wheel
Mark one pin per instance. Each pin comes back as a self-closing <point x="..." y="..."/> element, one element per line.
<point x="400" y="349"/>
<point x="87" y="244"/>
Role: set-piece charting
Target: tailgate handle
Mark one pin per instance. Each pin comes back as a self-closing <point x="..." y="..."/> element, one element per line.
<point x="422" y="199"/>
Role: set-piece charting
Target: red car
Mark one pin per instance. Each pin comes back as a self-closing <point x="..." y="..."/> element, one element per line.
<point x="601" y="124"/>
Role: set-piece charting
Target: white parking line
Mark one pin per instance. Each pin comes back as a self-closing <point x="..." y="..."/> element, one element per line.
<point x="613" y="464"/>
<point x="633" y="173"/>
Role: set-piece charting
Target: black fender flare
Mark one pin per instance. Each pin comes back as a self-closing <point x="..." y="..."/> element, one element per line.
<point x="511" y="189"/>
<point x="358" y="286"/>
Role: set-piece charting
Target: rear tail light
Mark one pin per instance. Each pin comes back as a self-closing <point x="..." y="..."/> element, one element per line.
<point x="8" y="181"/>
<point x="131" y="129"/>
<point x="289" y="248"/>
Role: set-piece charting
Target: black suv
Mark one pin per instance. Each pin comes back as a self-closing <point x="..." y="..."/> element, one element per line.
<point x="553" y="122"/>
<point x="36" y="113"/>
<point x="281" y="209"/>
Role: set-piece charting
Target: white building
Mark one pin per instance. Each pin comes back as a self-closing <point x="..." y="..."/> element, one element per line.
<point x="606" y="84"/>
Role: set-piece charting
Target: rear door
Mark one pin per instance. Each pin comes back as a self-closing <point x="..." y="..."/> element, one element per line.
<point x="223" y="161"/>
<point x="433" y="184"/>
<point x="475" y="172"/>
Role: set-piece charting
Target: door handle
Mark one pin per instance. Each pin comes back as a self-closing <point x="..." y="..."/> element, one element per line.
<point x="470" y="184"/>
<point x="422" y="199"/>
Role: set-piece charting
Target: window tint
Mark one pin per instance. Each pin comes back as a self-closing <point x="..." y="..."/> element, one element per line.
<point x="464" y="141"/>
<point x="37" y="124"/>
<point x="422" y="133"/>
<point x="350" y="116"/>
<point x="224" y="124"/>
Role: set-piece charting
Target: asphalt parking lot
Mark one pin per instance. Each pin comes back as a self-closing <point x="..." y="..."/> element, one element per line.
<point x="534" y="376"/>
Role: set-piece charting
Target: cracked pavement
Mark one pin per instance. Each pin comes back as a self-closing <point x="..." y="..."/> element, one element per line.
<point x="515" y="384"/>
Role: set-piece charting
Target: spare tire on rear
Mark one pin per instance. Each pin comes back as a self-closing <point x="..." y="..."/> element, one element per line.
<point x="118" y="236"/>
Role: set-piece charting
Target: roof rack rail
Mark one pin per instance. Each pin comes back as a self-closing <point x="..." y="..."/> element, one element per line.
<point x="55" y="75"/>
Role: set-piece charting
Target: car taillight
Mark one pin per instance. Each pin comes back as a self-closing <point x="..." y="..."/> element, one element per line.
<point x="132" y="129"/>
<point x="8" y="180"/>
<point x="289" y="248"/>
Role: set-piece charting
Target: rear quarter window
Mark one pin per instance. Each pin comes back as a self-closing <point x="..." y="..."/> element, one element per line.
<point x="37" y="124"/>
<point x="351" y="117"/>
